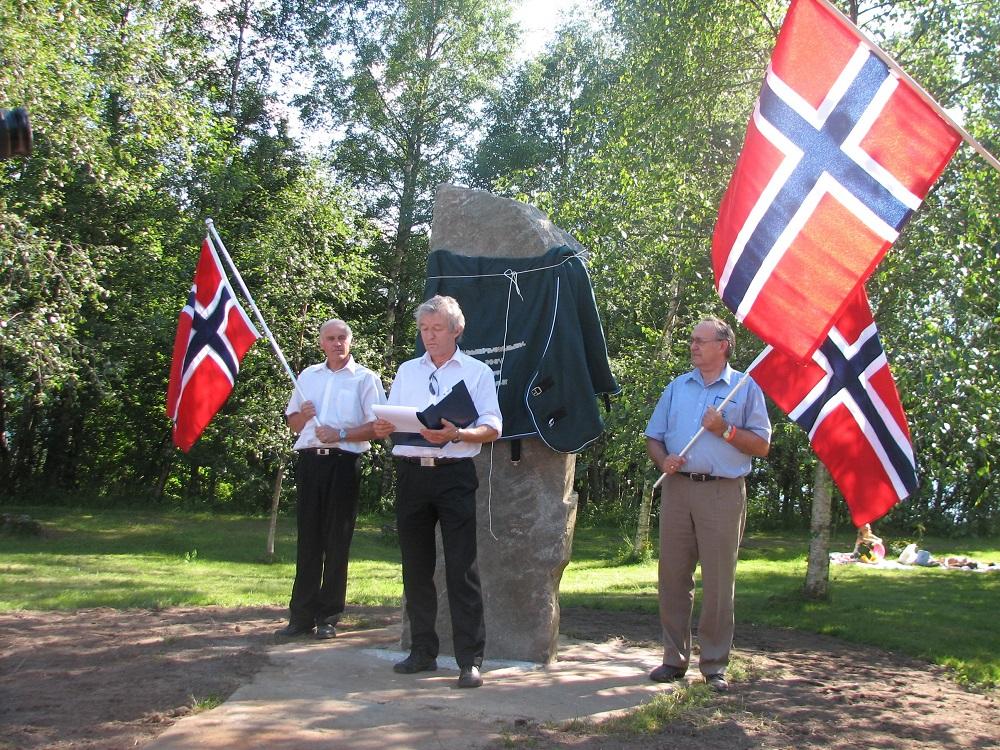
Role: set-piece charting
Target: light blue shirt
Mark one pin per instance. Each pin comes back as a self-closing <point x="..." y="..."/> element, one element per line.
<point x="678" y="414"/>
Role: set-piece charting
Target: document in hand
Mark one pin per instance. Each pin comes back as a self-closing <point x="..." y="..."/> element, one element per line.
<point x="457" y="407"/>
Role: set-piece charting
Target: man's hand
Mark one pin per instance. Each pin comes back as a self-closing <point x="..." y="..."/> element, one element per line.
<point x="383" y="428"/>
<point x="713" y="422"/>
<point x="672" y="464"/>
<point x="308" y="410"/>
<point x="327" y="434"/>
<point x="446" y="434"/>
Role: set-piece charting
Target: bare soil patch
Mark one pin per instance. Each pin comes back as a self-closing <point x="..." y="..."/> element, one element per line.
<point x="109" y="679"/>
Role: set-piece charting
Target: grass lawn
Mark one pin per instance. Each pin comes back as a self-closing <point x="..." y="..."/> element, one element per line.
<point x="149" y="559"/>
<point x="947" y="617"/>
<point x="146" y="559"/>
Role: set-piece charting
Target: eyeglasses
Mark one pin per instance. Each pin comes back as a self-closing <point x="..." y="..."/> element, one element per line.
<point x="432" y="383"/>
<point x="702" y="342"/>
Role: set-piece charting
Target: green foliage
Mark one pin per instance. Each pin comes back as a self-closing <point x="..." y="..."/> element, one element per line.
<point x="151" y="116"/>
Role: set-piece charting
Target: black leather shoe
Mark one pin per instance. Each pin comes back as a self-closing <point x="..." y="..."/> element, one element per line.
<point x="415" y="663"/>
<point x="291" y="630"/>
<point x="325" y="631"/>
<point x="667" y="673"/>
<point x="470" y="677"/>
<point x="717" y="682"/>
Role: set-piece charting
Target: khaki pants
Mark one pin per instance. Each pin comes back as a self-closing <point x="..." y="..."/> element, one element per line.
<point x="699" y="521"/>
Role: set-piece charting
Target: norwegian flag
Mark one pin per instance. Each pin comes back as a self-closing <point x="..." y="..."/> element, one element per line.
<point x="213" y="334"/>
<point x="838" y="155"/>
<point x="846" y="400"/>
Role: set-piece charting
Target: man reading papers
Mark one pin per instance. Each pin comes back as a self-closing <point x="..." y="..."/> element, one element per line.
<point x="436" y="483"/>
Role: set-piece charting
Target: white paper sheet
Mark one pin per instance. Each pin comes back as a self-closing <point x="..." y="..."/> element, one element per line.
<point x="404" y="417"/>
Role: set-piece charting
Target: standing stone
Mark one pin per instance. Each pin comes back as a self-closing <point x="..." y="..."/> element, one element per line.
<point x="531" y="510"/>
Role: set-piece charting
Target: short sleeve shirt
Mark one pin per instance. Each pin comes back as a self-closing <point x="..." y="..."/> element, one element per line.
<point x="678" y="414"/>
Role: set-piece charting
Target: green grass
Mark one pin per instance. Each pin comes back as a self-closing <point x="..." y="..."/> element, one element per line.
<point x="663" y="710"/>
<point x="150" y="560"/>
<point x="134" y="559"/>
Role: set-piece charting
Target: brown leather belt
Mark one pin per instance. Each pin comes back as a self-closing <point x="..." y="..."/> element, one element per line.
<point x="698" y="477"/>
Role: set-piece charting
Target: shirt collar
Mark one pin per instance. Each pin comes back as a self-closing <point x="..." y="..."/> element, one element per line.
<point x="350" y="366"/>
<point x="456" y="357"/>
<point x="726" y="376"/>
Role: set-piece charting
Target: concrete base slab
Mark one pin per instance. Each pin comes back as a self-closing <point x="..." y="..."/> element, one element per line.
<point x="344" y="694"/>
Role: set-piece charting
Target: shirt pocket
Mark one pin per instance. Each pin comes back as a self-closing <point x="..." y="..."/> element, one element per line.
<point x="729" y="412"/>
<point x="348" y="408"/>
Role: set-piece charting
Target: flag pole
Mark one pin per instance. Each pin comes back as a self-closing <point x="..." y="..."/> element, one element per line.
<point x="928" y="99"/>
<point x="725" y="402"/>
<point x="215" y="239"/>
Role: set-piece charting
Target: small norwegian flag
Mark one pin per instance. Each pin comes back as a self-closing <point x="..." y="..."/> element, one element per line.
<point x="213" y="335"/>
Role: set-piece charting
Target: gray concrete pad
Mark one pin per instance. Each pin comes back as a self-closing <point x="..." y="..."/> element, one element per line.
<point x="343" y="694"/>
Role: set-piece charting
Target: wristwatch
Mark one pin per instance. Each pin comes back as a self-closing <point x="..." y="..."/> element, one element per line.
<point x="343" y="434"/>
<point x="727" y="434"/>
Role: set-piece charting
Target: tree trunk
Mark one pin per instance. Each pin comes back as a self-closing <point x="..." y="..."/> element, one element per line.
<point x="667" y="336"/>
<point x="818" y="571"/>
<point x="243" y="19"/>
<point x="273" y="525"/>
<point x="645" y="511"/>
<point x="400" y="246"/>
<point x="166" y="464"/>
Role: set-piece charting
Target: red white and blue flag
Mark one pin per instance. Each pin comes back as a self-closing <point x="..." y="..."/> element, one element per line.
<point x="213" y="334"/>
<point x="845" y="398"/>
<point x="838" y="155"/>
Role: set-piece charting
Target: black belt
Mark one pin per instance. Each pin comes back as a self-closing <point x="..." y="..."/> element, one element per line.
<point x="328" y="452"/>
<point x="429" y="462"/>
<point x="698" y="477"/>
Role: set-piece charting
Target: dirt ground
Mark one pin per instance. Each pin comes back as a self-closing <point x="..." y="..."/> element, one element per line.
<point x="114" y="679"/>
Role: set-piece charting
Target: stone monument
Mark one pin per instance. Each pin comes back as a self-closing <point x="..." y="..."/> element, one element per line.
<point x="526" y="511"/>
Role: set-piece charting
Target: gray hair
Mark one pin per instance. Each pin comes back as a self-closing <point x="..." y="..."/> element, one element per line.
<point x="723" y="332"/>
<point x="337" y="321"/>
<point x="446" y="306"/>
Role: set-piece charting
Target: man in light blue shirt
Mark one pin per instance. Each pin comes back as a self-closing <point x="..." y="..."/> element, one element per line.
<point x="703" y="500"/>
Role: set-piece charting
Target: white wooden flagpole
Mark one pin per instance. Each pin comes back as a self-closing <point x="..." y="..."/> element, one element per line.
<point x="216" y="240"/>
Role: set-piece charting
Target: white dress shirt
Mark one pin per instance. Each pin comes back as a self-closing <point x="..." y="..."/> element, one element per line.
<point x="343" y="398"/>
<point x="411" y="387"/>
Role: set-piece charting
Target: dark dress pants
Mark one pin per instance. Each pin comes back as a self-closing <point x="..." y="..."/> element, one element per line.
<point x="427" y="496"/>
<point x="327" y="491"/>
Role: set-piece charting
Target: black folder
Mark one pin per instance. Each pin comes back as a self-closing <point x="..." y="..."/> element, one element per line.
<point x="456" y="407"/>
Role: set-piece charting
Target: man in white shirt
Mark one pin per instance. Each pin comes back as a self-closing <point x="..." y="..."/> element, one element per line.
<point x="331" y="410"/>
<point x="437" y="484"/>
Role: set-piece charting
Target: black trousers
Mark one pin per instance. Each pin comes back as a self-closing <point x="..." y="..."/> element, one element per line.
<point x="426" y="497"/>
<point x="327" y="494"/>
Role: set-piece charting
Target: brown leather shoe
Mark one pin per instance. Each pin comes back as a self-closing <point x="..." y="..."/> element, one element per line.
<point x="667" y="673"/>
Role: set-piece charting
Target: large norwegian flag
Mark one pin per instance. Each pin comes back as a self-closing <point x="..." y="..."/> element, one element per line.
<point x="845" y="398"/>
<point x="838" y="155"/>
<point x="213" y="334"/>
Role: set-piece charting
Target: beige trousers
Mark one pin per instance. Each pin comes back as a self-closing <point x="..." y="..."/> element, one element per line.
<point x="699" y="521"/>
